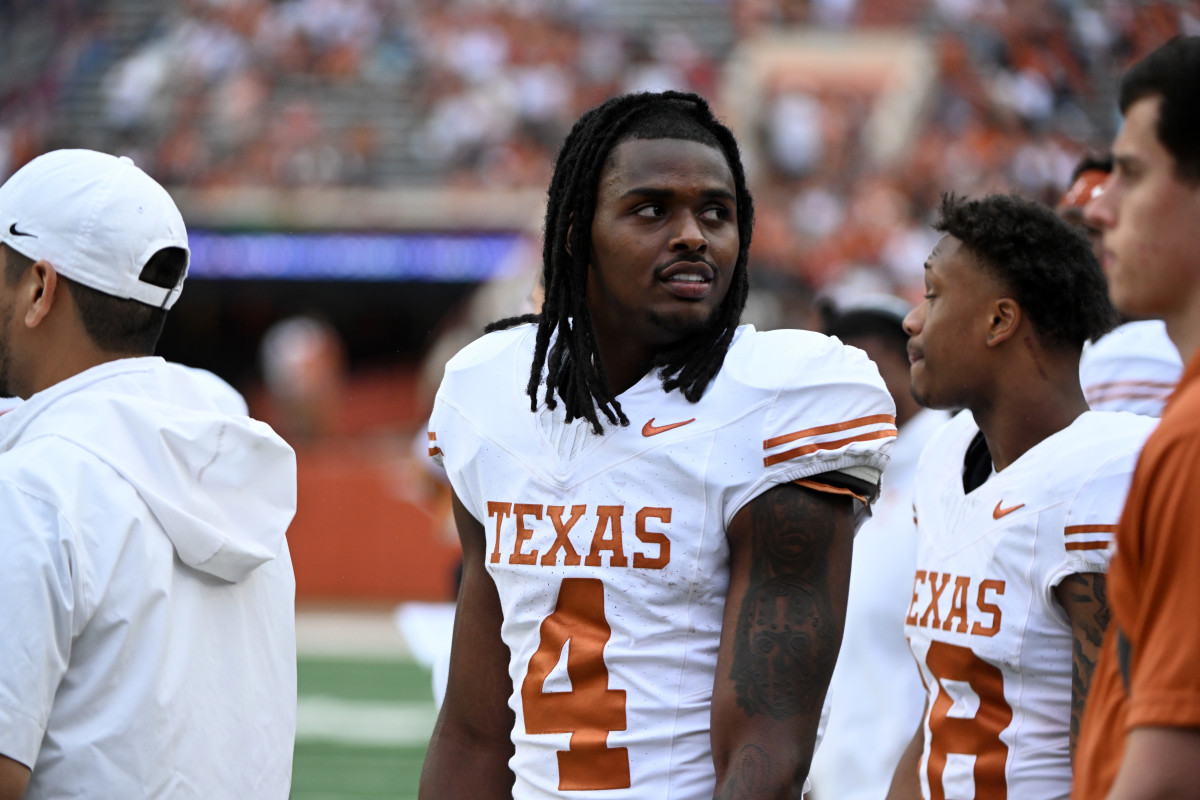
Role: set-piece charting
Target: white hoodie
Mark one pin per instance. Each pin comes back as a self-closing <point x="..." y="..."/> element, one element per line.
<point x="146" y="615"/>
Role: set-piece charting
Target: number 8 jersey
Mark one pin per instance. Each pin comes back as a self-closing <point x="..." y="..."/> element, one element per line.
<point x="609" y="552"/>
<point x="993" y="645"/>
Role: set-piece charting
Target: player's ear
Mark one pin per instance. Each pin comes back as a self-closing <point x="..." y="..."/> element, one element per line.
<point x="1006" y="316"/>
<point x="39" y="289"/>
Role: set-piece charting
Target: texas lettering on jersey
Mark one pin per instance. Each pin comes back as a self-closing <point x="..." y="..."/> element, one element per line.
<point x="976" y="607"/>
<point x="542" y="535"/>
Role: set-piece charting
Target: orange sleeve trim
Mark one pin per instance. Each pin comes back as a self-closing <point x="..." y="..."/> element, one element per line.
<point x="1097" y="387"/>
<point x="1073" y="529"/>
<point x="829" y="488"/>
<point x="1171" y="709"/>
<point x="435" y="451"/>
<point x="1087" y="545"/>
<point x="796" y="452"/>
<point x="1103" y="397"/>
<point x="432" y="436"/>
<point x="840" y="426"/>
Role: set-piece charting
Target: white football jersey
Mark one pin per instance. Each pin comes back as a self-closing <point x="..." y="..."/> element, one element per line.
<point x="992" y="643"/>
<point x="609" y="552"/>
<point x="1132" y="368"/>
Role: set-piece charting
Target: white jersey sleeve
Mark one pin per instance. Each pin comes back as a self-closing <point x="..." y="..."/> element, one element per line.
<point x="1132" y="368"/>
<point x="824" y="414"/>
<point x="1090" y="525"/>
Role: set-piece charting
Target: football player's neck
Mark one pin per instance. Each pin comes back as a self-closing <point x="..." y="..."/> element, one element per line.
<point x="625" y="360"/>
<point x="1034" y="397"/>
<point x="1184" y="330"/>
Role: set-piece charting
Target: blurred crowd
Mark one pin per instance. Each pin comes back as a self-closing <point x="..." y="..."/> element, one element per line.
<point x="291" y="93"/>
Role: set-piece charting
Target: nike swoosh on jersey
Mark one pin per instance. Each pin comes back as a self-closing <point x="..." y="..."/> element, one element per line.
<point x="650" y="429"/>
<point x="13" y="230"/>
<point x="999" y="512"/>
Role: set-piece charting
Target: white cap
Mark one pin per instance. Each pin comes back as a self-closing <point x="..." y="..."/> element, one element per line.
<point x="97" y="218"/>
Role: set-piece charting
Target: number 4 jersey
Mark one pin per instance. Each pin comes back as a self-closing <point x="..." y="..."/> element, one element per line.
<point x="993" y="645"/>
<point x="609" y="552"/>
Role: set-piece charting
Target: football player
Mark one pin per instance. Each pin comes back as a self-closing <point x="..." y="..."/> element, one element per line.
<point x="1017" y="500"/>
<point x="656" y="504"/>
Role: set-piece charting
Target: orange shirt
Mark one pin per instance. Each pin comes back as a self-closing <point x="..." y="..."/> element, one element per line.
<point x="1148" y="673"/>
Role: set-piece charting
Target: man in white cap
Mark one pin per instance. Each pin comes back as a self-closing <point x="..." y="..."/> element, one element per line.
<point x="146" y="609"/>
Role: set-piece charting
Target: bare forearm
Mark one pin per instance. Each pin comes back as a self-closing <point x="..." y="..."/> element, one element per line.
<point x="1159" y="764"/>
<point x="1085" y="601"/>
<point x="787" y="647"/>
<point x="471" y="745"/>
<point x="14" y="779"/>
<point x="783" y="630"/>
<point x="764" y="770"/>
<point x="460" y="764"/>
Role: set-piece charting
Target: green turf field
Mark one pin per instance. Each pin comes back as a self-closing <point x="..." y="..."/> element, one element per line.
<point x="363" y="727"/>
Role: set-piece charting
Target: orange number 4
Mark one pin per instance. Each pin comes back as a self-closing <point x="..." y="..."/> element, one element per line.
<point x="979" y="735"/>
<point x="591" y="709"/>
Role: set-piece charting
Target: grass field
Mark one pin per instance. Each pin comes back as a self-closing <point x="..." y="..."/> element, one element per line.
<point x="364" y="722"/>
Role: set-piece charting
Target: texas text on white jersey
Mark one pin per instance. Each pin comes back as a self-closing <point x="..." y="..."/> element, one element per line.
<point x="609" y="552"/>
<point x="993" y="645"/>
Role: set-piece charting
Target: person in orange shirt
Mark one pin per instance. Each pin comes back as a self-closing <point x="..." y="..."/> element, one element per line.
<point x="1141" y="731"/>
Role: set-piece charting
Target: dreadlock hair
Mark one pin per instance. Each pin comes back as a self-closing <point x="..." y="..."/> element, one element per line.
<point x="1047" y="265"/>
<point x="572" y="367"/>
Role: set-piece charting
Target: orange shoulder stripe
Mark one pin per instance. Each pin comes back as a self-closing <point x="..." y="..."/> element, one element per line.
<point x="1095" y="387"/>
<point x="828" y="488"/>
<point x="1071" y="530"/>
<point x="875" y="419"/>
<point x="796" y="452"/>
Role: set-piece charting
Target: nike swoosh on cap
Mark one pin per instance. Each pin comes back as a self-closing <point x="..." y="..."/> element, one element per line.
<point x="13" y="230"/>
<point x="999" y="512"/>
<point x="650" y="429"/>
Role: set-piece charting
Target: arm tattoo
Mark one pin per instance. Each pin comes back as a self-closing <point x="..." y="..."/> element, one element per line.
<point x="1088" y="597"/>
<point x="749" y="779"/>
<point x="787" y="636"/>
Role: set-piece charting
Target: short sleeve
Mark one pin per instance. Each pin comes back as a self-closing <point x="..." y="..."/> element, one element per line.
<point x="434" y="451"/>
<point x="833" y="415"/>
<point x="1164" y="686"/>
<point x="1090" y="525"/>
<point x="1133" y="368"/>
<point x="447" y="449"/>
<point x="39" y="598"/>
